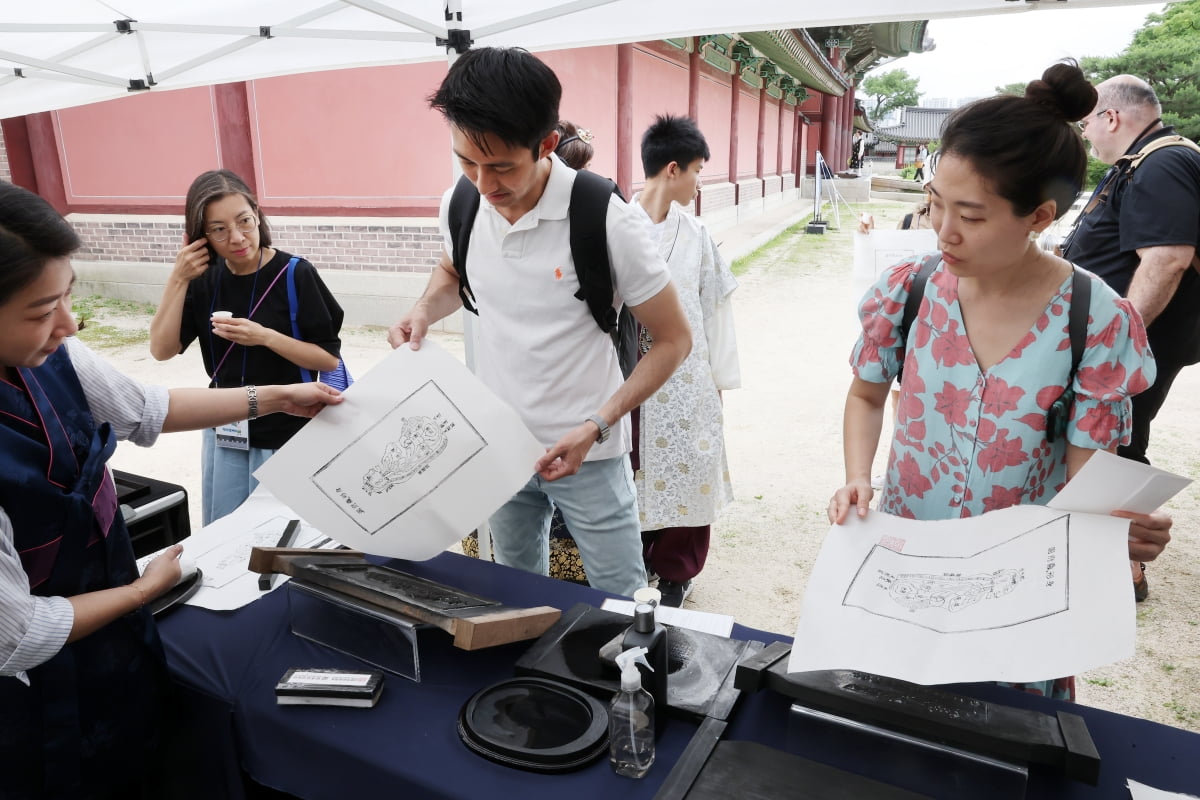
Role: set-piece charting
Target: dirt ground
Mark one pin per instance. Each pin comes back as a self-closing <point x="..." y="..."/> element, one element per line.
<point x="795" y="327"/>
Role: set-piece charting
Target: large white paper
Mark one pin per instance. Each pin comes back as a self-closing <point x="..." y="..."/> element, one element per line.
<point x="879" y="249"/>
<point x="221" y="550"/>
<point x="1140" y="791"/>
<point x="1024" y="594"/>
<point x="1108" y="483"/>
<point x="418" y="455"/>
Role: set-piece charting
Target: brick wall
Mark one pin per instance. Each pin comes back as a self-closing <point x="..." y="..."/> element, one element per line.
<point x="369" y="245"/>
<point x="716" y="196"/>
<point x="5" y="172"/>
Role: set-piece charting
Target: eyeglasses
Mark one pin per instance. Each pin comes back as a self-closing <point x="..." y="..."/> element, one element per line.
<point x="1083" y="123"/>
<point x="219" y="233"/>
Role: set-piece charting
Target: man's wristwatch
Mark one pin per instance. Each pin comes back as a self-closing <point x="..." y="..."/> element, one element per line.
<point x="605" y="431"/>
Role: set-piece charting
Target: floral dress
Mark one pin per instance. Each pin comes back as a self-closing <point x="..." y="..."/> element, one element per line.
<point x="968" y="441"/>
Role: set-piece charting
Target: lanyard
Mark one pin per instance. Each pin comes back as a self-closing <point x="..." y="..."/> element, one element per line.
<point x="252" y="308"/>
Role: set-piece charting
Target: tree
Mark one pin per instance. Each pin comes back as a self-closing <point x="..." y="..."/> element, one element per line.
<point x="1164" y="53"/>
<point x="891" y="90"/>
<point x="1015" y="89"/>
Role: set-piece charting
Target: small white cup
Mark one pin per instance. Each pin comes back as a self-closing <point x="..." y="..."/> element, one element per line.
<point x="222" y="315"/>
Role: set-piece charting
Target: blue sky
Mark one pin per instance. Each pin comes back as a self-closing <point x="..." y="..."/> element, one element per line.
<point x="976" y="54"/>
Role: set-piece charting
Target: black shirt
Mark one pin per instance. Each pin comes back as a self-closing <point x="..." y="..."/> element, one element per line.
<point x="1158" y="204"/>
<point x="318" y="315"/>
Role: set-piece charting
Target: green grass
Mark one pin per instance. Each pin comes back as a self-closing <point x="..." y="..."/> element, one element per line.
<point x="1182" y="713"/>
<point x="1102" y="682"/>
<point x="740" y="265"/>
<point x="100" y="318"/>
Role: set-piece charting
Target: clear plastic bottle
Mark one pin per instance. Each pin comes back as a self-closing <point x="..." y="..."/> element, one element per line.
<point x="631" y="720"/>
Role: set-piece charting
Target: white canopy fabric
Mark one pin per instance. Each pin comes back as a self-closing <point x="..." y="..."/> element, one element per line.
<point x="60" y="53"/>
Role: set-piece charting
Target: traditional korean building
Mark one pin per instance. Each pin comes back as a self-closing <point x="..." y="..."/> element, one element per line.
<point x="350" y="165"/>
<point x="917" y="126"/>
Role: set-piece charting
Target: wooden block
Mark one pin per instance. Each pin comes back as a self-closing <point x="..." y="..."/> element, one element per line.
<point x="502" y="627"/>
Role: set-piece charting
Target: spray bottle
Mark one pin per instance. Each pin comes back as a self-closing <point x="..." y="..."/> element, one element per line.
<point x="648" y="633"/>
<point x="631" y="719"/>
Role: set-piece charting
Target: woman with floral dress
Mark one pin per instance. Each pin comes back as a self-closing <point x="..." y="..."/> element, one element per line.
<point x="989" y="350"/>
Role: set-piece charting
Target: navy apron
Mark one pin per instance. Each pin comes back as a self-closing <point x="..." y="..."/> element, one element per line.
<point x="88" y="723"/>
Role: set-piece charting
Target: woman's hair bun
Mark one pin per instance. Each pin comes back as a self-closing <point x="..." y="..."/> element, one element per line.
<point x="1064" y="91"/>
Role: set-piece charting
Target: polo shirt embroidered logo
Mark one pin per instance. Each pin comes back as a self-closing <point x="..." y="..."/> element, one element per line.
<point x="558" y="273"/>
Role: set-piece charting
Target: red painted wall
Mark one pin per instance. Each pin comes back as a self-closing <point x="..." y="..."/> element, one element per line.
<point x="788" y="123"/>
<point x="363" y="138"/>
<point x="714" y="122"/>
<point x="589" y="80"/>
<point x="142" y="149"/>
<point x="771" y="138"/>
<point x="660" y="86"/>
<point x="747" y="162"/>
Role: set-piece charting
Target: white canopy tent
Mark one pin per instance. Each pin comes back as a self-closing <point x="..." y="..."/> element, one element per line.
<point x="60" y="53"/>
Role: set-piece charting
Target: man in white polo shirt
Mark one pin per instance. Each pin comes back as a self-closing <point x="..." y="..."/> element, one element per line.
<point x="540" y="349"/>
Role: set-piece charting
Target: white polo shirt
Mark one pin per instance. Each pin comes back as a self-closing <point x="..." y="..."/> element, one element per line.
<point x="540" y="349"/>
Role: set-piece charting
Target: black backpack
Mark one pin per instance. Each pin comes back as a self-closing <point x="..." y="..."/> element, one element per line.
<point x="587" y="215"/>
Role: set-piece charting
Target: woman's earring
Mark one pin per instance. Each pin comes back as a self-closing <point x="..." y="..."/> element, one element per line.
<point x="1033" y="236"/>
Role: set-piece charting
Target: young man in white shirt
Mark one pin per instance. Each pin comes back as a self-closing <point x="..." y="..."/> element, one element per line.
<point x="540" y="349"/>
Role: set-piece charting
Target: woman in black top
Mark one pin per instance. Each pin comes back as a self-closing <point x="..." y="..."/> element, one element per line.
<point x="229" y="265"/>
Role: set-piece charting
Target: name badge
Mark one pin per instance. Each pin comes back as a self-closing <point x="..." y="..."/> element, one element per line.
<point x="234" y="435"/>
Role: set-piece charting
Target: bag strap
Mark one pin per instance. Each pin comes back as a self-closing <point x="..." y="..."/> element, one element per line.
<point x="916" y="293"/>
<point x="293" y="312"/>
<point x="1077" y="318"/>
<point x="588" y="214"/>
<point x="464" y="205"/>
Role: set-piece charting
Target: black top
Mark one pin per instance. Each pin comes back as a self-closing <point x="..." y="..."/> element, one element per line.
<point x="1159" y="204"/>
<point x="318" y="315"/>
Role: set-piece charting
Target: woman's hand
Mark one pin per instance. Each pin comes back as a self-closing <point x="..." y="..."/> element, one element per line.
<point x="855" y="494"/>
<point x="240" y="330"/>
<point x="162" y="573"/>
<point x="191" y="261"/>
<point x="298" y="399"/>
<point x="1148" y="533"/>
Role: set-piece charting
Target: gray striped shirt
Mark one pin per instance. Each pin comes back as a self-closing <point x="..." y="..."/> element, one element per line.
<point x="33" y="629"/>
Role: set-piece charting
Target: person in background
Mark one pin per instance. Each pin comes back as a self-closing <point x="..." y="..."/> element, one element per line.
<point x="82" y="671"/>
<point x="919" y="161"/>
<point x="574" y="145"/>
<point x="679" y="460"/>
<point x="540" y="349"/>
<point x="989" y="351"/>
<point x="1140" y="233"/>
<point x="228" y="265"/>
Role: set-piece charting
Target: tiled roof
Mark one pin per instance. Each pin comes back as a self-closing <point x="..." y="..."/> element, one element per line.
<point x="917" y="125"/>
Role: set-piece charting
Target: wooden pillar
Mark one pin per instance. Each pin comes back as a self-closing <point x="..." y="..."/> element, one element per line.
<point x="694" y="62"/>
<point x="760" y="151"/>
<point x="735" y="105"/>
<point x="828" y="128"/>
<point x="232" y="104"/>
<point x="625" y="143"/>
<point x="797" y="144"/>
<point x="41" y="171"/>
<point x="20" y="157"/>
<point x="780" y="164"/>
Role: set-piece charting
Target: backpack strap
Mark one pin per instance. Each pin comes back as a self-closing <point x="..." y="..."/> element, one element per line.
<point x="1077" y="318"/>
<point x="293" y="311"/>
<point x="588" y="215"/>
<point x="916" y="293"/>
<point x="464" y="205"/>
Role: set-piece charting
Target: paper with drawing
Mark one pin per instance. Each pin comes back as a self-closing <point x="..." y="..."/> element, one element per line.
<point x="1022" y="594"/>
<point x="418" y="455"/>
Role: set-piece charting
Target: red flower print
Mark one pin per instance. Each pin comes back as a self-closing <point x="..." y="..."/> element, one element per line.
<point x="902" y="273"/>
<point x="1137" y="330"/>
<point x="1028" y="339"/>
<point x="1103" y="380"/>
<point x="1106" y="336"/>
<point x="1001" y="453"/>
<point x="912" y="479"/>
<point x="951" y="403"/>
<point x="1002" y="498"/>
<point x="999" y="398"/>
<point x="1100" y="423"/>
<point x="911" y="404"/>
<point x="952" y="348"/>
<point x="1048" y="394"/>
<point x="1137" y="383"/>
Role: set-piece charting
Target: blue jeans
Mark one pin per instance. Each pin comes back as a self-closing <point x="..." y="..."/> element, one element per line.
<point x="228" y="477"/>
<point x="599" y="505"/>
